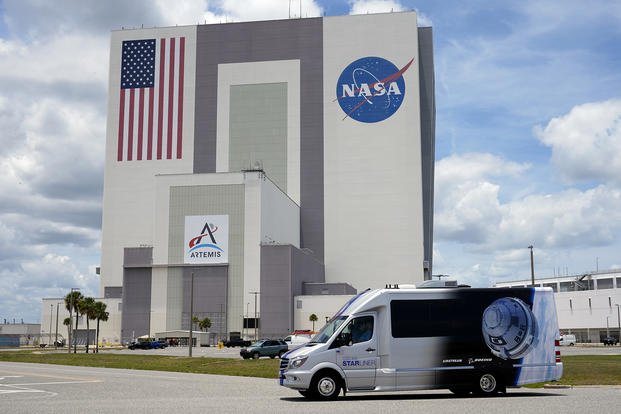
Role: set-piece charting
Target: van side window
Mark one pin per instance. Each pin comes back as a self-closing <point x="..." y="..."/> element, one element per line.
<point x="425" y="318"/>
<point x="361" y="329"/>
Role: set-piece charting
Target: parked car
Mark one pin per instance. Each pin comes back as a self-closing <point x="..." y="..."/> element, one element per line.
<point x="610" y="340"/>
<point x="233" y="342"/>
<point x="147" y="345"/>
<point x="297" y="340"/>
<point x="266" y="347"/>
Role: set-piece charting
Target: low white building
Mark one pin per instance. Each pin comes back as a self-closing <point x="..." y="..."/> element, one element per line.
<point x="588" y="304"/>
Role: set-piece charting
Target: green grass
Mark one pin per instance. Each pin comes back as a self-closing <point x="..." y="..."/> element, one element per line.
<point x="262" y="368"/>
<point x="578" y="369"/>
<point x="591" y="370"/>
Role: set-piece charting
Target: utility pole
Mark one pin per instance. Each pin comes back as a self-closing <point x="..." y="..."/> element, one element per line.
<point x="56" y="336"/>
<point x="532" y="266"/>
<point x="191" y="311"/>
<point x="51" y="310"/>
<point x="256" y="332"/>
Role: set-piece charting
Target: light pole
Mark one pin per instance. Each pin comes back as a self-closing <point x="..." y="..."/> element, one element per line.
<point x="607" y="326"/>
<point x="256" y="332"/>
<point x="191" y="311"/>
<point x="246" y="321"/>
<point x="51" y="310"/>
<point x="619" y="322"/>
<point x="532" y="266"/>
<point x="56" y="336"/>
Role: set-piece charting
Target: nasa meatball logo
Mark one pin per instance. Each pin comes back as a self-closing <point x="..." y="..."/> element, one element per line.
<point x="371" y="89"/>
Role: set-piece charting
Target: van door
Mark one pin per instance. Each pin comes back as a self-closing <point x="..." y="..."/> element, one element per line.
<point x="359" y="359"/>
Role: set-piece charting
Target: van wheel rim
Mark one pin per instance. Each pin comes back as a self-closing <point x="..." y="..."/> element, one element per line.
<point x="487" y="383"/>
<point x="326" y="386"/>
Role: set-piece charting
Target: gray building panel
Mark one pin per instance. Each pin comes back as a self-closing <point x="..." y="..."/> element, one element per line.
<point x="328" y="289"/>
<point x="113" y="292"/>
<point x="428" y="137"/>
<point x="268" y="41"/>
<point x="258" y="129"/>
<point x="137" y="256"/>
<point x="284" y="270"/>
<point x="210" y="296"/>
<point x="136" y="317"/>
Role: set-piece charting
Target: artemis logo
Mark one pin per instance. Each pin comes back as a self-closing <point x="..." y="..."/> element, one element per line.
<point x="206" y="239"/>
<point x="371" y="89"/>
<point x="196" y="243"/>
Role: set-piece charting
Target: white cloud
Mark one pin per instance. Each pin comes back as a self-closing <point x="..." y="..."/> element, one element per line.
<point x="586" y="143"/>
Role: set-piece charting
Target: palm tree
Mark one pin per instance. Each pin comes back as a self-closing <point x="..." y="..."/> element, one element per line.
<point x="204" y="324"/>
<point x="100" y="315"/>
<point x="86" y="308"/>
<point x="67" y="323"/>
<point x="313" y="319"/>
<point x="195" y="320"/>
<point x="71" y="304"/>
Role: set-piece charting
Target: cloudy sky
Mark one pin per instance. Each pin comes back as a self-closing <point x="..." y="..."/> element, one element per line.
<point x="528" y="143"/>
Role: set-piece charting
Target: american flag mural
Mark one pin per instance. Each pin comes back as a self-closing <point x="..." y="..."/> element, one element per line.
<point x="151" y="99"/>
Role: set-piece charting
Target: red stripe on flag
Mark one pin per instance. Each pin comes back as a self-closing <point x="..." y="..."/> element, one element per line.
<point x="140" y="122"/>
<point x="119" y="150"/>
<point x="180" y="97"/>
<point x="160" y="106"/>
<point x="130" y="127"/>
<point x="171" y="92"/>
<point x="150" y="126"/>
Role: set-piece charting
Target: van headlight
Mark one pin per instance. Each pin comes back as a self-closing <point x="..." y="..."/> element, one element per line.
<point x="297" y="362"/>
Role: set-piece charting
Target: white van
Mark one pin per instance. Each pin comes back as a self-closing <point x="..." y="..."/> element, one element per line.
<point x="297" y="340"/>
<point x="568" y="340"/>
<point x="467" y="340"/>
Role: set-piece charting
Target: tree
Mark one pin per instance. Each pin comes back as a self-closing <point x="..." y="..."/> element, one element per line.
<point x="71" y="304"/>
<point x="100" y="315"/>
<point x="195" y="320"/>
<point x="204" y="324"/>
<point x="67" y="323"/>
<point x="313" y="319"/>
<point x="86" y="307"/>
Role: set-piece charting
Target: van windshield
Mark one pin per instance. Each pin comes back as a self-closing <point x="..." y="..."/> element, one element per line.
<point x="328" y="330"/>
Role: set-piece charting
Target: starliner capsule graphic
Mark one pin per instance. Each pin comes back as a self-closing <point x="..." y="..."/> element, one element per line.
<point x="509" y="328"/>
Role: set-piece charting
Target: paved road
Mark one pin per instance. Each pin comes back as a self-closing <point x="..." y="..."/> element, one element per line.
<point x="50" y="389"/>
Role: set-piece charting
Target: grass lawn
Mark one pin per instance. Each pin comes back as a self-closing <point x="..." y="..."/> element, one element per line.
<point x="578" y="369"/>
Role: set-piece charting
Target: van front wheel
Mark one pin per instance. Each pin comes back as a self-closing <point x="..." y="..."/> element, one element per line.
<point x="326" y="386"/>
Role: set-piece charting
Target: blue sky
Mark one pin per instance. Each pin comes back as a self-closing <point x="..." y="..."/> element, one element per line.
<point x="528" y="133"/>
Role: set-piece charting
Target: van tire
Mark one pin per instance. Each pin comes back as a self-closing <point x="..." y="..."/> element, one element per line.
<point x="487" y="384"/>
<point x="326" y="385"/>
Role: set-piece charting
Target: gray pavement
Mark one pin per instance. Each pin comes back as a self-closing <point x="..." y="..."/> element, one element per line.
<point x="51" y="389"/>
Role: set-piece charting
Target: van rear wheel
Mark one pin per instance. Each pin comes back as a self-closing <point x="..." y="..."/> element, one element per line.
<point x="488" y="385"/>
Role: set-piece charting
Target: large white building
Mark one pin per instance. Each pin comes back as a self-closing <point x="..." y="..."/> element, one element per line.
<point x="264" y="161"/>
<point x="587" y="305"/>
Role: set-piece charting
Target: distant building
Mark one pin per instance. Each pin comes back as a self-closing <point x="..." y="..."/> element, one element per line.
<point x="19" y="334"/>
<point x="587" y="304"/>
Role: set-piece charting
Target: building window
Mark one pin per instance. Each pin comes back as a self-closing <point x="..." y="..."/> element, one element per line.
<point x="604" y="283"/>
<point x="120" y="306"/>
<point x="567" y="286"/>
<point x="619" y="282"/>
<point x="551" y="285"/>
<point x="299" y="304"/>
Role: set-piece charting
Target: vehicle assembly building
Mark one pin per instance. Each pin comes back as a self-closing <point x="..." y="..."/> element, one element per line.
<point x="252" y="163"/>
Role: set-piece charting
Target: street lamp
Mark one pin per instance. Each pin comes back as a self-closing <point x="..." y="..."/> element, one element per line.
<point x="532" y="266"/>
<point x="256" y="332"/>
<point x="619" y="322"/>
<point x="51" y="310"/>
<point x="607" y="326"/>
<point x="191" y="311"/>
